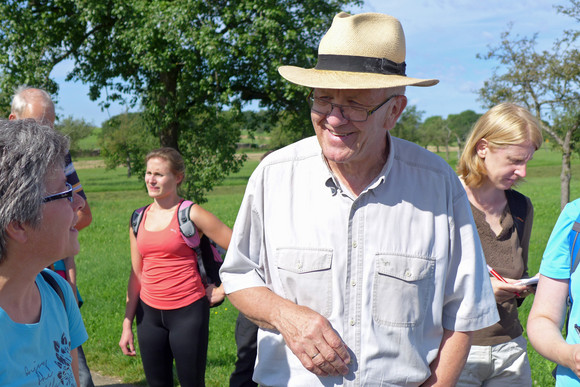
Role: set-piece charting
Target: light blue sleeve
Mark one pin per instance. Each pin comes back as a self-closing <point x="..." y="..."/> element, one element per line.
<point x="556" y="260"/>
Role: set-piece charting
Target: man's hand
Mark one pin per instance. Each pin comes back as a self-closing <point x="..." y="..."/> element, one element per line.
<point x="313" y="340"/>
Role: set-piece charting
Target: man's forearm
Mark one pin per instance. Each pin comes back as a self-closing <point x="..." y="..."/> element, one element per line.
<point x="450" y="360"/>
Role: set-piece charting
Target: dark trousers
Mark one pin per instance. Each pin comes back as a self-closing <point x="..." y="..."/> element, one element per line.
<point x="84" y="371"/>
<point x="246" y="341"/>
<point x="167" y="334"/>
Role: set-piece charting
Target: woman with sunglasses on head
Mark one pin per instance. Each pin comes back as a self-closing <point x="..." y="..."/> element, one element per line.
<point x="495" y="157"/>
<point x="166" y="292"/>
<point x="39" y="318"/>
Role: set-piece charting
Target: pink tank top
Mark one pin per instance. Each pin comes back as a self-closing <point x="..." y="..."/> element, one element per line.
<point x="170" y="278"/>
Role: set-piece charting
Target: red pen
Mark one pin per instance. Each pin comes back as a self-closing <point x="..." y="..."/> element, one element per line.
<point x="499" y="277"/>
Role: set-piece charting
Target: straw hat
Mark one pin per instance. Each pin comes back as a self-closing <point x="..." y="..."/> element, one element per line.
<point x="365" y="51"/>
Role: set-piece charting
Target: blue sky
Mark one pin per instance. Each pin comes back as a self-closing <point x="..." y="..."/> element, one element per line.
<point x="443" y="38"/>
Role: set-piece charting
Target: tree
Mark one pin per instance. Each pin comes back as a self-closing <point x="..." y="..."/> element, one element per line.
<point x="125" y="141"/>
<point x="547" y="83"/>
<point x="76" y="130"/>
<point x="437" y="133"/>
<point x="408" y="125"/>
<point x="459" y="125"/>
<point x="180" y="60"/>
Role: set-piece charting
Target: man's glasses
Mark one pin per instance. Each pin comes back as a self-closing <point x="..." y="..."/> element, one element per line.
<point x="351" y="113"/>
<point x="61" y="195"/>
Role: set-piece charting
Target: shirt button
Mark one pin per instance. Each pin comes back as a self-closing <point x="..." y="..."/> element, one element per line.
<point x="353" y="283"/>
<point x="299" y="265"/>
<point x="407" y="274"/>
<point x="352" y="323"/>
<point x="354" y="244"/>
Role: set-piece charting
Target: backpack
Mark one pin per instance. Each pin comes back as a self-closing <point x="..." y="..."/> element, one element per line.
<point x="209" y="259"/>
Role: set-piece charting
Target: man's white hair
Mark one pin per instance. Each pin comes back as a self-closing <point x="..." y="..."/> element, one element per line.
<point x="20" y="100"/>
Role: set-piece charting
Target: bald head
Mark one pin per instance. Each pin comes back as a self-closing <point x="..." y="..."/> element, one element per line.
<point x="33" y="103"/>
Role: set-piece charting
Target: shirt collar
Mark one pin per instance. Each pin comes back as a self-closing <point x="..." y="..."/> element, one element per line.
<point x="334" y="184"/>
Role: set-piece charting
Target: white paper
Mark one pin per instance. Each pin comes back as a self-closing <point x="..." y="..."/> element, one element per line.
<point x="528" y="281"/>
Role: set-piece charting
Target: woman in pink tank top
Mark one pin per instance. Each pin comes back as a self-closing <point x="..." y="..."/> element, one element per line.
<point x="165" y="291"/>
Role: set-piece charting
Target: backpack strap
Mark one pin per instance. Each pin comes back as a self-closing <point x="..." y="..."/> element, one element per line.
<point x="186" y="226"/>
<point x="136" y="219"/>
<point x="574" y="248"/>
<point x="518" y="206"/>
<point x="191" y="237"/>
<point x="53" y="284"/>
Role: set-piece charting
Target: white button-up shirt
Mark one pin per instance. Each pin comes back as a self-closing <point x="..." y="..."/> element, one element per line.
<point x="389" y="269"/>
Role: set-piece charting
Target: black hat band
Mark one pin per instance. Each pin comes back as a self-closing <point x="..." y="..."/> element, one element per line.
<point x="360" y="64"/>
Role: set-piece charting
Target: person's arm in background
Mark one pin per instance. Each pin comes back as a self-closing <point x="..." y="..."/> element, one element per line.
<point x="545" y="324"/>
<point x="85" y="216"/>
<point x="127" y="341"/>
<point x="447" y="366"/>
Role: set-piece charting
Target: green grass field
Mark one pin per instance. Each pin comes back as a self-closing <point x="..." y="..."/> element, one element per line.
<point x="104" y="262"/>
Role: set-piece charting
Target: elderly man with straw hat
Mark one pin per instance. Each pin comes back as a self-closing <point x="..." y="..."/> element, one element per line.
<point x="354" y="251"/>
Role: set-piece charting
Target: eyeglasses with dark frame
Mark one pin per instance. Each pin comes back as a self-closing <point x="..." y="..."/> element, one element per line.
<point x="351" y="113"/>
<point x="61" y="195"/>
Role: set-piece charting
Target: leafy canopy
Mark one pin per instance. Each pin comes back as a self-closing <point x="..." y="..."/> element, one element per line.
<point x="181" y="62"/>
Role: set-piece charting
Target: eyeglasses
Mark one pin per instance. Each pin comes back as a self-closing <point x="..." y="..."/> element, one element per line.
<point x="351" y="113"/>
<point x="61" y="195"/>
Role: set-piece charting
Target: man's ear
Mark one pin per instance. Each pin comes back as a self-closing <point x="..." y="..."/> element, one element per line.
<point x="12" y="117"/>
<point x="395" y="110"/>
<point x="482" y="147"/>
<point x="17" y="231"/>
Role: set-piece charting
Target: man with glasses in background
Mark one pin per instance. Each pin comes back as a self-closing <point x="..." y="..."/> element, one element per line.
<point x="356" y="252"/>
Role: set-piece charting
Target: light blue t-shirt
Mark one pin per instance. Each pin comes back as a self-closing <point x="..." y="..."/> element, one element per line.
<point x="556" y="265"/>
<point x="39" y="354"/>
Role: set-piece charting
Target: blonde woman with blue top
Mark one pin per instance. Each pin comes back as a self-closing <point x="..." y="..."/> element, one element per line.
<point x="494" y="160"/>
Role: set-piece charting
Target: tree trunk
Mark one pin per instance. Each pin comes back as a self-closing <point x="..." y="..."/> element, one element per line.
<point x="128" y="161"/>
<point x="565" y="176"/>
<point x="458" y="147"/>
<point x="169" y="133"/>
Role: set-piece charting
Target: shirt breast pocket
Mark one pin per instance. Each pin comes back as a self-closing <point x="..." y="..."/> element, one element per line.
<point x="402" y="290"/>
<point x="306" y="277"/>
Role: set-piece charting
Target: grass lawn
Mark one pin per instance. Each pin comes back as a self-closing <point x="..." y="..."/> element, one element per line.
<point x="104" y="262"/>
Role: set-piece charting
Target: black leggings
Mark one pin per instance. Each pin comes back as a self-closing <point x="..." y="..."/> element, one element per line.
<point x="167" y="334"/>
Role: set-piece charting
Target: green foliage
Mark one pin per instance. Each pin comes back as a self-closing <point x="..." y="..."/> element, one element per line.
<point x="124" y="140"/>
<point x="407" y="127"/>
<point x="436" y="132"/>
<point x="76" y="130"/>
<point x="460" y="125"/>
<point x="209" y="149"/>
<point x="289" y="128"/>
<point x="182" y="61"/>
<point x="547" y="83"/>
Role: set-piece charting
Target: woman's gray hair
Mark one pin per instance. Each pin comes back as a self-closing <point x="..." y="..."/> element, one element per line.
<point x="27" y="153"/>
